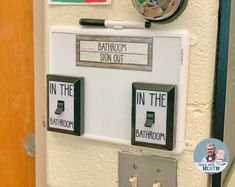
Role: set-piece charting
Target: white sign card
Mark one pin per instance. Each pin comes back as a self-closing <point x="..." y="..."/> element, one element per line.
<point x="65" y="104"/>
<point x="61" y="92"/>
<point x="115" y="52"/>
<point x="153" y="115"/>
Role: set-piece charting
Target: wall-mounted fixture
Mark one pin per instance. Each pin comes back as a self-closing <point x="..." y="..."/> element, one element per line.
<point x="146" y="171"/>
<point x="135" y="85"/>
<point x="160" y="10"/>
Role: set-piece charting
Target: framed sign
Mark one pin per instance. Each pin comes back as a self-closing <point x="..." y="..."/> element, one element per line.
<point x="65" y="104"/>
<point x="133" y="53"/>
<point x="153" y="115"/>
<point x="80" y="2"/>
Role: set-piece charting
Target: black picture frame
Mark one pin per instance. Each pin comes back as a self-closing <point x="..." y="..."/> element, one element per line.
<point x="170" y="89"/>
<point x="78" y="103"/>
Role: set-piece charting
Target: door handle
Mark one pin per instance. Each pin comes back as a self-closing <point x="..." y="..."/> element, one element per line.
<point x="29" y="144"/>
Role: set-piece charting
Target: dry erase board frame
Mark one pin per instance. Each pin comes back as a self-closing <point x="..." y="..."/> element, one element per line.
<point x="76" y="2"/>
<point x="108" y="91"/>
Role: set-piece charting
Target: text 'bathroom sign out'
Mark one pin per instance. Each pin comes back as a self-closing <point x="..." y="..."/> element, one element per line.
<point x="114" y="52"/>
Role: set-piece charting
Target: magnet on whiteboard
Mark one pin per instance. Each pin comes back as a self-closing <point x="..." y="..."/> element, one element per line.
<point x="65" y="104"/>
<point x="149" y="101"/>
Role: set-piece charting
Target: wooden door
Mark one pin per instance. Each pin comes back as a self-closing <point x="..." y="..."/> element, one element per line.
<point x="16" y="92"/>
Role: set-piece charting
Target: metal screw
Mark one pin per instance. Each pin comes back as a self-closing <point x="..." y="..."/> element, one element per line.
<point x="158" y="171"/>
<point x="135" y="166"/>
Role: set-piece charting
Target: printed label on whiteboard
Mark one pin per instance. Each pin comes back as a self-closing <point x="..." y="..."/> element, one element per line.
<point x="115" y="52"/>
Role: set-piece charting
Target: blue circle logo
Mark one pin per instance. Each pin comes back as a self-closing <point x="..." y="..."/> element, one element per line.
<point x="211" y="156"/>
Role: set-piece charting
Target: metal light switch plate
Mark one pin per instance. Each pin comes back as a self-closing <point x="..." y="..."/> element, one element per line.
<point x="147" y="169"/>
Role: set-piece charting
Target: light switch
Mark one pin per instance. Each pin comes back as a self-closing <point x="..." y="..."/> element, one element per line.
<point x="65" y="104"/>
<point x="60" y="107"/>
<point x="133" y="181"/>
<point x="153" y="115"/>
<point x="157" y="184"/>
<point x="150" y="119"/>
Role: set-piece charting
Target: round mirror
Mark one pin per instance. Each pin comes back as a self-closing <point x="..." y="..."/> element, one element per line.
<point x="160" y="10"/>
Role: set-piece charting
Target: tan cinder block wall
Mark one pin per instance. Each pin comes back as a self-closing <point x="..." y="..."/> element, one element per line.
<point x="80" y="163"/>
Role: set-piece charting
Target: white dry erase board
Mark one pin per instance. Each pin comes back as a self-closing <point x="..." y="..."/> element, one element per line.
<point x="108" y="89"/>
<point x="79" y="2"/>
